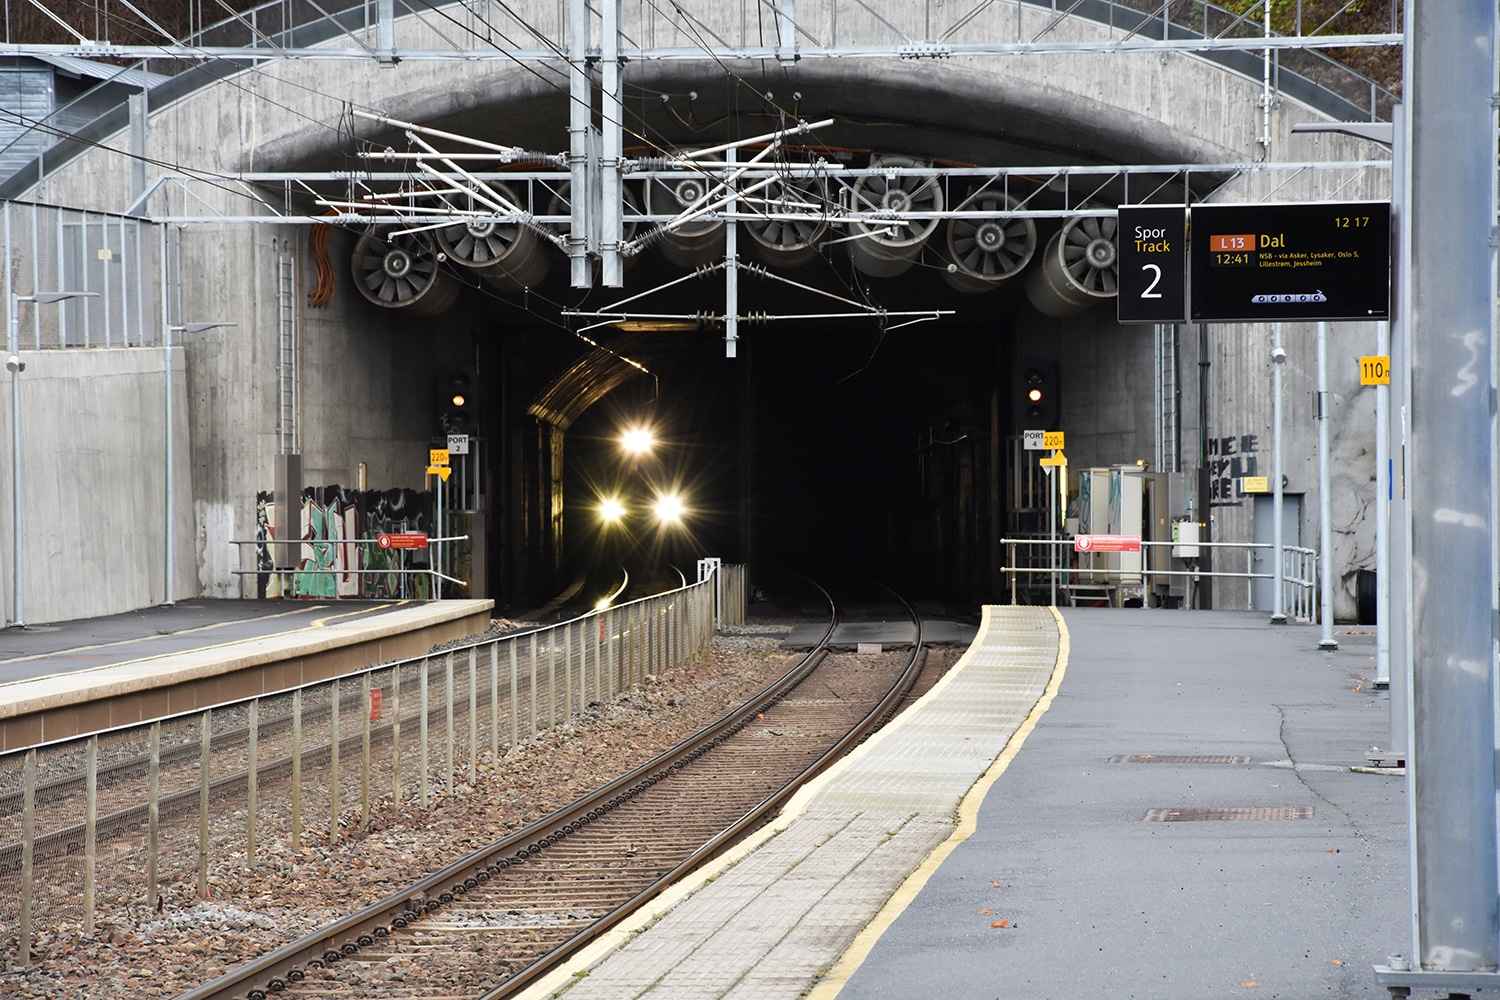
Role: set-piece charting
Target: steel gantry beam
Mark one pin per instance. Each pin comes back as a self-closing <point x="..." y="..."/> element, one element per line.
<point x="375" y="31"/>
<point x="293" y="196"/>
<point x="756" y="53"/>
<point x="444" y="186"/>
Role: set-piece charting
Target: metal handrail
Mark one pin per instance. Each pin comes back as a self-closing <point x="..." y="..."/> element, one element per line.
<point x="1299" y="570"/>
<point x="431" y="571"/>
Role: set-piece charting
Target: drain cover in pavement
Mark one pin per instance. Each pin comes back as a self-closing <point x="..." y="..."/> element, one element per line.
<point x="1178" y="758"/>
<point x="1227" y="813"/>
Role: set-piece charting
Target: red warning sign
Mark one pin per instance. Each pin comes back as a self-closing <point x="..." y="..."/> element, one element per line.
<point x="1106" y="543"/>
<point x="408" y="540"/>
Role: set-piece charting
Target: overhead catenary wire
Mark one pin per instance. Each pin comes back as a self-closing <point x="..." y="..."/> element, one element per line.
<point x="552" y="77"/>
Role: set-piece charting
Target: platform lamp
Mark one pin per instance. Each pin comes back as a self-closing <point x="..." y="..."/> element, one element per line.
<point x="169" y="598"/>
<point x="16" y="366"/>
<point x="1278" y="556"/>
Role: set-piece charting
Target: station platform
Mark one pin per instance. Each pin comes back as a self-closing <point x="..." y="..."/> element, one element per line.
<point x="65" y="679"/>
<point x="1092" y="803"/>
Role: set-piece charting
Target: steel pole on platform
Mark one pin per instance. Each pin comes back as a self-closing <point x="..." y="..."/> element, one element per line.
<point x="731" y="268"/>
<point x="1383" y="495"/>
<point x="14" y="365"/>
<point x="1393" y="598"/>
<point x="1325" y="501"/>
<point x="1450" y="86"/>
<point x="1278" y="548"/>
<point x="169" y="446"/>
<point x="1385" y="491"/>
<point x="1052" y="534"/>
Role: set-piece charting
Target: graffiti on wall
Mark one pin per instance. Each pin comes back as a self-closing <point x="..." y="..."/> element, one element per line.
<point x="338" y="557"/>
<point x="1229" y="459"/>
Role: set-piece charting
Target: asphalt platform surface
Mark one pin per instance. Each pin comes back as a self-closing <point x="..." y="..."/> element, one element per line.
<point x="1107" y="884"/>
<point x="36" y="651"/>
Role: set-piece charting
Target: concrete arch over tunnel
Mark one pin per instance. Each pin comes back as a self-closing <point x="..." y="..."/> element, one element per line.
<point x="366" y="369"/>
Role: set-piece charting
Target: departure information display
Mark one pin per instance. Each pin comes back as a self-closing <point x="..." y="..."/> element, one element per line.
<point x="1254" y="263"/>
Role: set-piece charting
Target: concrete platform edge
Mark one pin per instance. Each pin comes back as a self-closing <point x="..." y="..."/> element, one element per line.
<point x="46" y="709"/>
<point x="23" y="697"/>
<point x="832" y="984"/>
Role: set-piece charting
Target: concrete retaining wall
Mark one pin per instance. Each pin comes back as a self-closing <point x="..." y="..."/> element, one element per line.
<point x="93" y="461"/>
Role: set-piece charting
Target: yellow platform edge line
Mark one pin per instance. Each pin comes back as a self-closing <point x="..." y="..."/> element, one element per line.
<point x="557" y="982"/>
<point x="829" y="987"/>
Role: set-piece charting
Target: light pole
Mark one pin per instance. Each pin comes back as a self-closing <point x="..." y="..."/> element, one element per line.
<point x="1278" y="359"/>
<point x="169" y="597"/>
<point x="16" y="366"/>
<point x="1325" y="501"/>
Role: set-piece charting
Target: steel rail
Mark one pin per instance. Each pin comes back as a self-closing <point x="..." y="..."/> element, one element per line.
<point x="66" y="839"/>
<point x="888" y="705"/>
<point x="278" y="969"/>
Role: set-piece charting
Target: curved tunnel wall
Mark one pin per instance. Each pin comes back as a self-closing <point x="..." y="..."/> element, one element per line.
<point x="1045" y="109"/>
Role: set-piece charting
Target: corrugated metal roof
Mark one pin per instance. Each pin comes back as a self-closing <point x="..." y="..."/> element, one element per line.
<point x="101" y="71"/>
<point x="28" y="97"/>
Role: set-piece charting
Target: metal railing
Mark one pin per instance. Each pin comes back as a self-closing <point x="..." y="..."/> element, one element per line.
<point x="731" y="590"/>
<point x="1299" y="572"/>
<point x="125" y="822"/>
<point x="117" y="258"/>
<point x="279" y="24"/>
<point x="484" y="27"/>
<point x="349" y="557"/>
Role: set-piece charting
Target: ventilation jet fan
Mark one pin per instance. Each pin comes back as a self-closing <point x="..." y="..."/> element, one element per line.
<point x="399" y="270"/>
<point x="796" y="221"/>
<point x="700" y="241"/>
<point x="886" y="250"/>
<point x="505" y="254"/>
<point x="987" y="252"/>
<point x="1080" y="267"/>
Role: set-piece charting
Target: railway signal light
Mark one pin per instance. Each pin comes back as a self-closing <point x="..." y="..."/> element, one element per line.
<point x="1035" y="395"/>
<point x="458" y="400"/>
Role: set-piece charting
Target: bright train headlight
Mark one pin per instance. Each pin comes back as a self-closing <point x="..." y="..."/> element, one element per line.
<point x="637" y="441"/>
<point x="611" y="510"/>
<point x="669" y="508"/>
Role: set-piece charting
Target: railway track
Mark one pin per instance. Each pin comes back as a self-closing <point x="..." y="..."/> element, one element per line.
<point x="121" y="811"/>
<point x="490" y="924"/>
<point x="120" y="776"/>
<point x="119" y="782"/>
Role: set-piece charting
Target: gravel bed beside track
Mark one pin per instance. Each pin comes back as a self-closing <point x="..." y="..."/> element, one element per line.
<point x="137" y="951"/>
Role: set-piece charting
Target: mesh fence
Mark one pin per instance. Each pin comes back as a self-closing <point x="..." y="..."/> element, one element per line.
<point x="122" y="821"/>
<point x="109" y="263"/>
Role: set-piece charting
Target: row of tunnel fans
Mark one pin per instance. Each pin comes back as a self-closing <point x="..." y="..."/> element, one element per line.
<point x="397" y="268"/>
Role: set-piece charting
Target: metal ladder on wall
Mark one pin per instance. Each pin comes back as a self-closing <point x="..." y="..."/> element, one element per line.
<point x="287" y="351"/>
